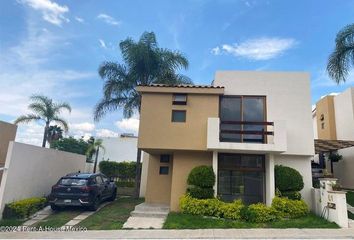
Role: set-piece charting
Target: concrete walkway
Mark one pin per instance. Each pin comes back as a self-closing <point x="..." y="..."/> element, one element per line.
<point x="190" y="234"/>
<point x="38" y="216"/>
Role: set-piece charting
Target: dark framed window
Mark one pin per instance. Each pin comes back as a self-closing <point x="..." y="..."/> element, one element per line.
<point x="179" y="99"/>
<point x="164" y="158"/>
<point x="164" y="170"/>
<point x="178" y="115"/>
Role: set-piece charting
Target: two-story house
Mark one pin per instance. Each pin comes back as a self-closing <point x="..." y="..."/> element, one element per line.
<point x="242" y="125"/>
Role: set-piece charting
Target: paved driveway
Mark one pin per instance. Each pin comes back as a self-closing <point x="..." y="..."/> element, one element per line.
<point x="191" y="234"/>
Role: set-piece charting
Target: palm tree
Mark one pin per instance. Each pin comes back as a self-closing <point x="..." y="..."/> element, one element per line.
<point x="54" y="133"/>
<point x="144" y="63"/>
<point x="342" y="58"/>
<point x="95" y="147"/>
<point x="44" y="109"/>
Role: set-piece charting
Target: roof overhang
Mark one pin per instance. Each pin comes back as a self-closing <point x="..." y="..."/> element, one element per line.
<point x="322" y="146"/>
<point x="195" y="89"/>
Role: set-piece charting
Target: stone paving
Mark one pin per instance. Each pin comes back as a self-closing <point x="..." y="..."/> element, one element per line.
<point x="38" y="216"/>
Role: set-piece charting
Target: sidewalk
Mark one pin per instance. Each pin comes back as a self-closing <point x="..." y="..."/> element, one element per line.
<point x="191" y="234"/>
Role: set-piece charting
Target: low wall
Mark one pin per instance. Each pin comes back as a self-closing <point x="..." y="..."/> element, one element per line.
<point x="31" y="171"/>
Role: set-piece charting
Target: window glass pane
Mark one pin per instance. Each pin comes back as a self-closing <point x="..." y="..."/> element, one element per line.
<point x="73" y="181"/>
<point x="230" y="110"/>
<point x="164" y="170"/>
<point x="178" y="116"/>
<point x="253" y="111"/>
<point x="180" y="98"/>
<point x="164" y="158"/>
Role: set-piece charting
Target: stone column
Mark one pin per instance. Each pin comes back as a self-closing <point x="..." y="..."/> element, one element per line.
<point x="269" y="179"/>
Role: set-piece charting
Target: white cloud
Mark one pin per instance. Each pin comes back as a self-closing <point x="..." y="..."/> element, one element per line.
<point x="108" y="19"/>
<point x="128" y="125"/>
<point x="258" y="48"/>
<point x="106" y="133"/>
<point x="85" y="126"/>
<point x="31" y="133"/>
<point x="79" y="19"/>
<point x="102" y="43"/>
<point x="52" y="12"/>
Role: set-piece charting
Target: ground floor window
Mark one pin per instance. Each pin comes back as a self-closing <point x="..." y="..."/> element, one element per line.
<point x="241" y="176"/>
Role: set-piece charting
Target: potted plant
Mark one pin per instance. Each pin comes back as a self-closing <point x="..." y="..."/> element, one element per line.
<point x="336" y="187"/>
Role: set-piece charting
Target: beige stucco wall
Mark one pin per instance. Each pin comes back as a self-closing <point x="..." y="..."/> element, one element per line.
<point x="7" y="134"/>
<point x="158" y="187"/>
<point x="183" y="163"/>
<point x="157" y="131"/>
<point x="325" y="106"/>
<point x="30" y="171"/>
<point x="303" y="165"/>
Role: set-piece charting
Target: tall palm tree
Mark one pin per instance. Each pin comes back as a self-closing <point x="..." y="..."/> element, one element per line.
<point x="144" y="63"/>
<point x="44" y="109"/>
<point x="54" y="133"/>
<point x="342" y="58"/>
<point x="95" y="147"/>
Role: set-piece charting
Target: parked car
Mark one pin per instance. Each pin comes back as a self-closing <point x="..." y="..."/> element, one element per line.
<point x="82" y="189"/>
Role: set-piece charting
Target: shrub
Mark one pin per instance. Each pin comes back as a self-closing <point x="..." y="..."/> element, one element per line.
<point x="125" y="184"/>
<point x="259" y="213"/>
<point x="23" y="208"/>
<point x="200" y="193"/>
<point x="123" y="170"/>
<point x="287" y="179"/>
<point x="202" y="176"/>
<point x="290" y="208"/>
<point x="232" y="210"/>
<point x="108" y="168"/>
<point x="204" y="207"/>
<point x="293" y="195"/>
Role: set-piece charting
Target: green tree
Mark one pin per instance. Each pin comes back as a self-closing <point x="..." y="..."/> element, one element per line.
<point x="144" y="63"/>
<point x="44" y="109"/>
<point x="54" y="133"/>
<point x="95" y="147"/>
<point x="71" y="144"/>
<point x="342" y="58"/>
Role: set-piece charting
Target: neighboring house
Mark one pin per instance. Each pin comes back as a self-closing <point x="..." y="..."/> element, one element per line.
<point x="242" y="125"/>
<point x="333" y="120"/>
<point x="7" y="134"/>
<point x="119" y="149"/>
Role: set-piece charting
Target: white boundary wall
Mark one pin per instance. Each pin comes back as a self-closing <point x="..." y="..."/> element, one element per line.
<point x="30" y="171"/>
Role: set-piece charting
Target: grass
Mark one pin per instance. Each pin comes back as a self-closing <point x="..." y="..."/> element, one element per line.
<point x="187" y="221"/>
<point x="112" y="216"/>
<point x="350" y="198"/>
<point x="10" y="222"/>
<point x="58" y="219"/>
<point x="350" y="215"/>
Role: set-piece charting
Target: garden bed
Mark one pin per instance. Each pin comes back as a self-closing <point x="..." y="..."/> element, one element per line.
<point x="188" y="221"/>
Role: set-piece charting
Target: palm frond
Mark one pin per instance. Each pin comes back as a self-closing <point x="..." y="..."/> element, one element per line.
<point x="59" y="106"/>
<point x="27" y="118"/>
<point x="38" y="108"/>
<point x="106" y="105"/>
<point x="61" y="122"/>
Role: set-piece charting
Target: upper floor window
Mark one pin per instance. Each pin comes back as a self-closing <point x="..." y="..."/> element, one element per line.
<point x="178" y="115"/>
<point x="179" y="99"/>
<point x="242" y="118"/>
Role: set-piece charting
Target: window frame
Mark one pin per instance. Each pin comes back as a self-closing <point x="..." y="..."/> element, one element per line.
<point x="174" y="102"/>
<point x="185" y="116"/>
<point x="164" y="167"/>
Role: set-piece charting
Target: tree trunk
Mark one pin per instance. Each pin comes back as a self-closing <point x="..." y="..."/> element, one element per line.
<point x="137" y="174"/>
<point x="45" y="134"/>
<point x="96" y="158"/>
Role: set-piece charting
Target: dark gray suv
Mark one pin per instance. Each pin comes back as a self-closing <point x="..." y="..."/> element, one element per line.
<point x="82" y="189"/>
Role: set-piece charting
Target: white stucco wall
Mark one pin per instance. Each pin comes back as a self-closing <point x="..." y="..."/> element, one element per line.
<point x="344" y="115"/>
<point x="31" y="171"/>
<point x="303" y="165"/>
<point x="119" y="149"/>
<point x="144" y="173"/>
<point x="288" y="98"/>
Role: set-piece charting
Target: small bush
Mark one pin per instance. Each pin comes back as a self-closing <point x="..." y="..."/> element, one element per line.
<point x="293" y="195"/>
<point x="287" y="179"/>
<point x="125" y="184"/>
<point x="202" y="176"/>
<point x="23" y="208"/>
<point x="259" y="213"/>
<point x="204" y="207"/>
<point x="232" y="210"/>
<point x="290" y="208"/>
<point x="122" y="170"/>
<point x="200" y="193"/>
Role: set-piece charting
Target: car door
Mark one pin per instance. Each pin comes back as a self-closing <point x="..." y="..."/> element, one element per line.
<point x="100" y="186"/>
<point x="107" y="187"/>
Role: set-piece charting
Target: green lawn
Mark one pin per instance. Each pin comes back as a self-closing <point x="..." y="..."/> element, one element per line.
<point x="10" y="222"/>
<point x="350" y="215"/>
<point x="112" y="216"/>
<point x="187" y="221"/>
<point x="58" y="219"/>
<point x="350" y="198"/>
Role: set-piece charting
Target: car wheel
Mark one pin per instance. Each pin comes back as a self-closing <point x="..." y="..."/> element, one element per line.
<point x="95" y="204"/>
<point x="55" y="207"/>
<point x="114" y="195"/>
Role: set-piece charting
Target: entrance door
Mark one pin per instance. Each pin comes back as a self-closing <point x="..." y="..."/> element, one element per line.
<point x="241" y="176"/>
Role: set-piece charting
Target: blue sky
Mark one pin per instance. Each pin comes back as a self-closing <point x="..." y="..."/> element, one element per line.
<point x="54" y="47"/>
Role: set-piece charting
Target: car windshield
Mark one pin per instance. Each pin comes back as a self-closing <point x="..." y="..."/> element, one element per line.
<point x="73" y="181"/>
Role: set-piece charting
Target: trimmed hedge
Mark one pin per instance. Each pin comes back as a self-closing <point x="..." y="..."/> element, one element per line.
<point x="259" y="213"/>
<point x="24" y="208"/>
<point x="293" y="195"/>
<point x="289" y="182"/>
<point x="200" y="193"/>
<point x="202" y="176"/>
<point x="123" y="170"/>
<point x="290" y="208"/>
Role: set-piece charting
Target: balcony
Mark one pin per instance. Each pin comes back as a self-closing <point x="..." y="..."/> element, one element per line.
<point x="270" y="139"/>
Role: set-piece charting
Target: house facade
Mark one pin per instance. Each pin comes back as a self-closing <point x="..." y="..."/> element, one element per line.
<point x="242" y="125"/>
<point x="333" y="119"/>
